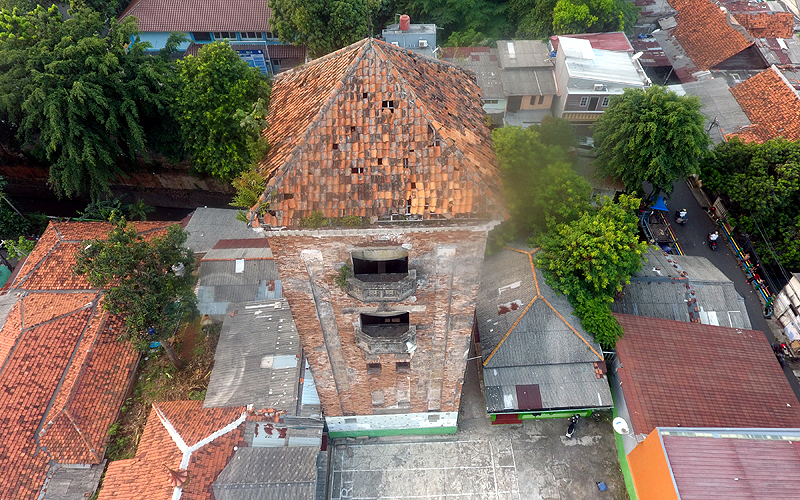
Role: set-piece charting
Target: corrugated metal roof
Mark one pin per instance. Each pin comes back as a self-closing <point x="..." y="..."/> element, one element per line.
<point x="530" y="336"/>
<point x="274" y="473"/>
<point x="219" y="285"/>
<point x="244" y="371"/>
<point x="209" y="225"/>
<point x="523" y="54"/>
<point x="606" y="66"/>
<point x="529" y="81"/>
<point x="484" y="63"/>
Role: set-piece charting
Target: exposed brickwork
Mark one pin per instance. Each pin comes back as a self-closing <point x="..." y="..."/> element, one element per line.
<point x="448" y="272"/>
<point x="146" y="475"/>
<point x="372" y="130"/>
<point x="64" y="374"/>
<point x="705" y="33"/>
<point x="772" y="106"/>
<point x="681" y="374"/>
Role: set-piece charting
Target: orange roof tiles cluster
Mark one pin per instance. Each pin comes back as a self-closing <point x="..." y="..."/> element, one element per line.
<point x="682" y="374"/>
<point x="767" y="24"/>
<point x="771" y="104"/>
<point x="209" y="15"/>
<point x="63" y="374"/>
<point x="204" y="442"/>
<point x="705" y="33"/>
<point x="371" y="130"/>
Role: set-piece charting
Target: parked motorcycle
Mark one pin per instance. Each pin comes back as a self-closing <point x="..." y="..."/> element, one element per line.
<point x="571" y="429"/>
<point x="680" y="217"/>
<point x="712" y="240"/>
<point x="779" y="353"/>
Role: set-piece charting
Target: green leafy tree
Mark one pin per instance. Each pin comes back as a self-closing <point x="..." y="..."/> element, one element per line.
<point x="541" y="186"/>
<point x="593" y="16"/>
<point x="322" y="25"/>
<point x="20" y="248"/>
<point x="592" y="258"/>
<point x="77" y="97"/>
<point x="113" y="207"/>
<point x="468" y="38"/>
<point x="223" y="104"/>
<point x="459" y="16"/>
<point x="250" y="185"/>
<point x="651" y="135"/>
<point x="762" y="182"/>
<point x="149" y="282"/>
<point x="14" y="224"/>
<point x="534" y="18"/>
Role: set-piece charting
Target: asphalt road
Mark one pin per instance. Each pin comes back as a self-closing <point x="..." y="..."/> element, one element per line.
<point x="693" y="240"/>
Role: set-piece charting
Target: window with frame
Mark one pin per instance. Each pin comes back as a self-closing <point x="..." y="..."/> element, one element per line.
<point x="490" y="101"/>
<point x="224" y="35"/>
<point x="605" y="102"/>
<point x="584" y="102"/>
<point x="250" y="35"/>
<point x="533" y="101"/>
<point x="201" y="36"/>
<point x="541" y="99"/>
<point x="270" y="35"/>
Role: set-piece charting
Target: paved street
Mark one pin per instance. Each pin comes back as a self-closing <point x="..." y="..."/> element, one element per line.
<point x="692" y="238"/>
<point x="525" y="461"/>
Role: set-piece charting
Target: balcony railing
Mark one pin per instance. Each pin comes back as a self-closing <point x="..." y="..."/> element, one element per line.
<point x="382" y="287"/>
<point x="386" y="339"/>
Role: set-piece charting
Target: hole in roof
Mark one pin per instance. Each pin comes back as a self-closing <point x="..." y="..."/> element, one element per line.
<point x="335" y="146"/>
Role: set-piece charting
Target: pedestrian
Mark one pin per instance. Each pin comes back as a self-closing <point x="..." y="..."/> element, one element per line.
<point x="754" y="277"/>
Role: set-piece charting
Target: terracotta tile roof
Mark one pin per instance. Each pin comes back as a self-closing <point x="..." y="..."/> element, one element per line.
<point x="681" y="374"/>
<point x="767" y="24"/>
<point x="205" y="455"/>
<point x="705" y="33"/>
<point x="771" y="104"/>
<point x="63" y="374"/>
<point x="200" y="15"/>
<point x="372" y="129"/>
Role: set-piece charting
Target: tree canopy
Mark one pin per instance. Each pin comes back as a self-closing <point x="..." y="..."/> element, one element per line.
<point x="77" y="97"/>
<point x="545" y="18"/>
<point x="653" y="136"/>
<point x="762" y="182"/>
<point x="541" y="186"/>
<point x="149" y="282"/>
<point x="222" y="104"/>
<point x="322" y="25"/>
<point x="590" y="259"/>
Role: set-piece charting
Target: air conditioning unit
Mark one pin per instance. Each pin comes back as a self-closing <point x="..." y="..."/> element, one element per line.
<point x="396" y="44"/>
<point x="423" y="44"/>
<point x="599" y="87"/>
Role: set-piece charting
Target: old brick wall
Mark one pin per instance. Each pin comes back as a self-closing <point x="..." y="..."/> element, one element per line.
<point x="448" y="273"/>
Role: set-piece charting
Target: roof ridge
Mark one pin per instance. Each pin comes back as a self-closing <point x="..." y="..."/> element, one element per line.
<point x="38" y="264"/>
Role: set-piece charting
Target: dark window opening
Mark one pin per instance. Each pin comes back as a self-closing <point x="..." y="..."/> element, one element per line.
<point x="201" y="36"/>
<point x="413" y="185"/>
<point x="513" y="103"/>
<point x="405" y="162"/>
<point x="365" y="95"/>
<point x="410" y="150"/>
<point x="373" y="368"/>
<point x="384" y="326"/>
<point x="533" y="100"/>
<point x="541" y="99"/>
<point x="357" y="170"/>
<point x="269" y="34"/>
<point x="387" y="104"/>
<point x="352" y="129"/>
<point x="393" y="266"/>
<point x="403" y="367"/>
<point x="288" y="196"/>
<point x="335" y="146"/>
<point x="380" y="161"/>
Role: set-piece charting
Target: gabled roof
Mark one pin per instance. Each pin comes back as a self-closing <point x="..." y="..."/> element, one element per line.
<point x="707" y="33"/>
<point x="63" y="375"/>
<point x="200" y="15"/>
<point x="682" y="288"/>
<point x="371" y="129"/>
<point x="530" y="337"/>
<point x="771" y="104"/>
<point x="767" y="24"/>
<point x="681" y="374"/>
<point x="179" y="435"/>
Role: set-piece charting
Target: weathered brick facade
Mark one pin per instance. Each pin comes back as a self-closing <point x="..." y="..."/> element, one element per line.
<point x="447" y="263"/>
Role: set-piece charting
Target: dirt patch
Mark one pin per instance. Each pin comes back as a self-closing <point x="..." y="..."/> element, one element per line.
<point x="158" y="380"/>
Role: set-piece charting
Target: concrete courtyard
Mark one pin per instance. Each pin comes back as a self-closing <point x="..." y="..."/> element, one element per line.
<point x="532" y="460"/>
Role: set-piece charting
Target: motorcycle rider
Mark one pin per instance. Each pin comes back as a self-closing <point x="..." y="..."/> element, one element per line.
<point x="713" y="236"/>
<point x="681" y="218"/>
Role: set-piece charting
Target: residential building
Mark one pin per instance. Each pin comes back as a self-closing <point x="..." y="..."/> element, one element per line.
<point x="683" y="374"/>
<point x="64" y="375"/>
<point x="772" y="104"/>
<point x="419" y="38"/>
<point x="675" y="463"/>
<point x="187" y="451"/>
<point x="786" y="307"/>
<point x="382" y="186"/>
<point x="484" y="62"/>
<point x="206" y="226"/>
<point x="588" y="77"/>
<point x="616" y="41"/>
<point x="682" y="288"/>
<point x="537" y="360"/>
<point x="244" y="24"/>
<point x="529" y="84"/>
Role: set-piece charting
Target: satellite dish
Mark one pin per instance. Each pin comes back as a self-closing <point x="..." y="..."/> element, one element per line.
<point x="620" y="426"/>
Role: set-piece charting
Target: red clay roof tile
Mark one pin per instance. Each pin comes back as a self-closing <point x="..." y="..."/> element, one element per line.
<point x="200" y="15"/>
<point x="705" y="34"/>
<point x="680" y="374"/>
<point x="350" y="132"/>
<point x="146" y="476"/>
<point x="771" y="104"/>
<point x="64" y="373"/>
<point x="767" y="24"/>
